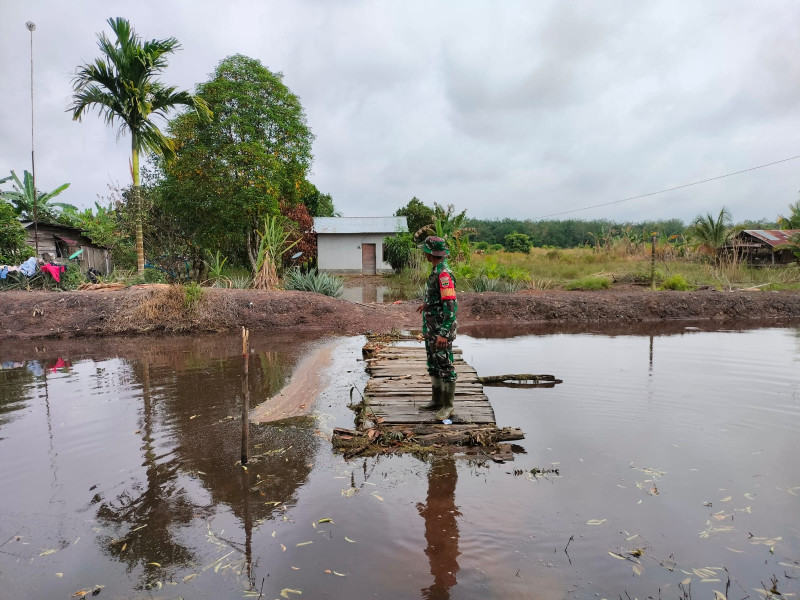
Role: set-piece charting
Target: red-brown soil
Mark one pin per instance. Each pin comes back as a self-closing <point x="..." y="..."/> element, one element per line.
<point x="160" y="309"/>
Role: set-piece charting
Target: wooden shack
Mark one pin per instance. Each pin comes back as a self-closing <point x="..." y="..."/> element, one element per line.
<point x="61" y="241"/>
<point x="758" y="246"/>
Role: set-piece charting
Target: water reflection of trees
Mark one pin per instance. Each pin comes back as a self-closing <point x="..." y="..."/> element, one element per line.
<point x="190" y="427"/>
<point x="16" y="382"/>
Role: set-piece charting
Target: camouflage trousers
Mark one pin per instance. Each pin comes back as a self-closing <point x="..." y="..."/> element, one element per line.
<point x="440" y="362"/>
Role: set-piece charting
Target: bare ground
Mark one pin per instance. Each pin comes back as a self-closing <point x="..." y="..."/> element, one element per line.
<point x="161" y="309"/>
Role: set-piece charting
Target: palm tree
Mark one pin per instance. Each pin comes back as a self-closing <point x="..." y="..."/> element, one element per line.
<point x="23" y="198"/>
<point x="122" y="86"/>
<point x="793" y="220"/>
<point x="710" y="233"/>
<point x="450" y="227"/>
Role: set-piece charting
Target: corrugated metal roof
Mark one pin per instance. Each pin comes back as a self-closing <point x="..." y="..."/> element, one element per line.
<point x="360" y="224"/>
<point x="773" y="237"/>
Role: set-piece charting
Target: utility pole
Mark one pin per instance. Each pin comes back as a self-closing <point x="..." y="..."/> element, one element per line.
<point x="31" y="27"/>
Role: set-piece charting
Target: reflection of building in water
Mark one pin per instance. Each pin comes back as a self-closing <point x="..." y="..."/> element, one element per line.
<point x="441" y="528"/>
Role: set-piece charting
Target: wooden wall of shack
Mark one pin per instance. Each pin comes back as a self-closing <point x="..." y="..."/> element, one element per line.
<point x="757" y="252"/>
<point x="60" y="242"/>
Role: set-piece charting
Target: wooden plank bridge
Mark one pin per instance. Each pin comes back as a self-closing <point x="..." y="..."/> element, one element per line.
<point x="399" y="384"/>
<point x="389" y="418"/>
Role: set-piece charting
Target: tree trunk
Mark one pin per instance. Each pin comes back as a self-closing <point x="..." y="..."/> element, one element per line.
<point x="137" y="199"/>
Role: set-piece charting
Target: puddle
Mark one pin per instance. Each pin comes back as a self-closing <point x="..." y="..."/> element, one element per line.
<point x="676" y="457"/>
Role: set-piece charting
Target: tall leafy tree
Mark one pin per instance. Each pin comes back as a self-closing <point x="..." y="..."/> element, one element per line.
<point x="417" y="214"/>
<point x="24" y="198"/>
<point x="122" y="86"/>
<point x="232" y="172"/>
<point x="451" y="227"/>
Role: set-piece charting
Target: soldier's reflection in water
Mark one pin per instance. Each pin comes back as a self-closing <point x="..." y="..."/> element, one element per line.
<point x="441" y="528"/>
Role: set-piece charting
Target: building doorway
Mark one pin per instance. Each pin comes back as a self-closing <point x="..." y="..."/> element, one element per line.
<point x="368" y="264"/>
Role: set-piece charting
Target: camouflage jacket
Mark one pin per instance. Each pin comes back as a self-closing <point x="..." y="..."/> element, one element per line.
<point x="440" y="305"/>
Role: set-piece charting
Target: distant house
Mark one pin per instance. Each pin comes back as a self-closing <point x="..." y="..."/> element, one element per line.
<point x="355" y="244"/>
<point x="62" y="241"/>
<point x="757" y="246"/>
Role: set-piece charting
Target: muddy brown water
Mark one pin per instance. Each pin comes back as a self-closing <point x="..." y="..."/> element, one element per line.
<point x="119" y="470"/>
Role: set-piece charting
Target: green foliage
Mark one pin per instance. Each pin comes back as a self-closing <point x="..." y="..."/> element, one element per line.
<point x="676" y="282"/>
<point x="569" y="233"/>
<point x="231" y="172"/>
<point x="241" y="282"/>
<point x="215" y="265"/>
<point x="792" y="220"/>
<point x="23" y="198"/>
<point x="793" y="245"/>
<point x="517" y="242"/>
<point x="450" y="227"/>
<point x="494" y="284"/>
<point x="592" y="282"/>
<point x="399" y="249"/>
<point x="483" y="246"/>
<point x="274" y="242"/>
<point x="417" y="214"/>
<point x="122" y="86"/>
<point x="712" y="233"/>
<point x="12" y="236"/>
<point x="154" y="276"/>
<point x="496" y="247"/>
<point x="314" y="281"/>
<point x="72" y="277"/>
<point x="318" y="204"/>
<point x="192" y="293"/>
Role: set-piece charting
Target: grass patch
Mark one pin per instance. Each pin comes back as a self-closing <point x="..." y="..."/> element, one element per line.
<point x="676" y="283"/>
<point x="593" y="282"/>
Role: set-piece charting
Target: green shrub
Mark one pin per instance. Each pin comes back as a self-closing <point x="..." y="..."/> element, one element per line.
<point x="482" y="246"/>
<point x="241" y="282"/>
<point x="496" y="247"/>
<point x="398" y="250"/>
<point x="192" y="293"/>
<point x="517" y="242"/>
<point x="677" y="283"/>
<point x="592" y="282"/>
<point x="314" y="281"/>
<point x="154" y="276"/>
<point x="72" y="278"/>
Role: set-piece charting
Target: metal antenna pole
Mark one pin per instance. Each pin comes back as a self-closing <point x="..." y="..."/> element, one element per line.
<point x="31" y="27"/>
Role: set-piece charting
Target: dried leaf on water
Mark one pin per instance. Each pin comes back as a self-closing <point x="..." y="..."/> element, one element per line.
<point x="192" y="417"/>
<point x="59" y="575"/>
<point x="273" y="533"/>
<point x="124" y="546"/>
<point x="615" y="555"/>
<point x="286" y="591"/>
<point x="46" y="552"/>
<point x="734" y="550"/>
<point x="283" y="548"/>
<point x="596" y="521"/>
<point x="686" y="581"/>
<point x="155" y="564"/>
<point x="294" y="568"/>
<point x="727" y="499"/>
<point x="325" y="520"/>
<point x="189" y="577"/>
<point x="340" y="574"/>
<point x="303" y="544"/>
<point x="378" y="497"/>
<point x="719" y="595"/>
<point x="138" y="528"/>
<point x="637" y="569"/>
<point x="347" y="539"/>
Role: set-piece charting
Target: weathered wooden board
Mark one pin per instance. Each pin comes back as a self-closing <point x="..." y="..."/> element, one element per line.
<point x="399" y="384"/>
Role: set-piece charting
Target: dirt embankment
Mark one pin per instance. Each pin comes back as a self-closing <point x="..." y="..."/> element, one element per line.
<point x="162" y="309"/>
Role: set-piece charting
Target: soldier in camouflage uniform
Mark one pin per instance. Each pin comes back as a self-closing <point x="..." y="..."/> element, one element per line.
<point x="438" y="310"/>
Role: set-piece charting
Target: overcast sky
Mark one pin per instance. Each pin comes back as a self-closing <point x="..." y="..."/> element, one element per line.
<point x="507" y="109"/>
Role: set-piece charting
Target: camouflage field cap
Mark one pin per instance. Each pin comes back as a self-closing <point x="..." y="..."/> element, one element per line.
<point x="435" y="246"/>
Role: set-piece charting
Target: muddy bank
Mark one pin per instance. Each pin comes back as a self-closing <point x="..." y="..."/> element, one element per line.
<point x="136" y="311"/>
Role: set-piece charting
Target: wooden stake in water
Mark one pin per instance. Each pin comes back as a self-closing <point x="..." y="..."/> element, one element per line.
<point x="245" y="395"/>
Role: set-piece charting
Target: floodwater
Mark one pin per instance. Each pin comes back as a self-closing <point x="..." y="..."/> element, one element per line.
<point x="677" y="458"/>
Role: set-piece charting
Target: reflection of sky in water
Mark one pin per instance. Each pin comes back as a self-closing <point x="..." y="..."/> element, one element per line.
<point x="121" y="463"/>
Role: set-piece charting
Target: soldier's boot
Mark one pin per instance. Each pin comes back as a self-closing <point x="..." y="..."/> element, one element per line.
<point x="448" y="392"/>
<point x="436" y="395"/>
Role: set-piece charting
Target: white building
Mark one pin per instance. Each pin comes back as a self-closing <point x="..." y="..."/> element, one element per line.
<point x="355" y="244"/>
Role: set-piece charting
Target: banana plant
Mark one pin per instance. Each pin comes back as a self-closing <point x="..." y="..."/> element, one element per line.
<point x="24" y="197"/>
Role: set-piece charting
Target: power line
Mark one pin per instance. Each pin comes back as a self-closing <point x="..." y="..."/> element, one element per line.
<point x="672" y="189"/>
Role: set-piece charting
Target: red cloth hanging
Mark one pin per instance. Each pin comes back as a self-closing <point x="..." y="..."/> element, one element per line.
<point x="54" y="270"/>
